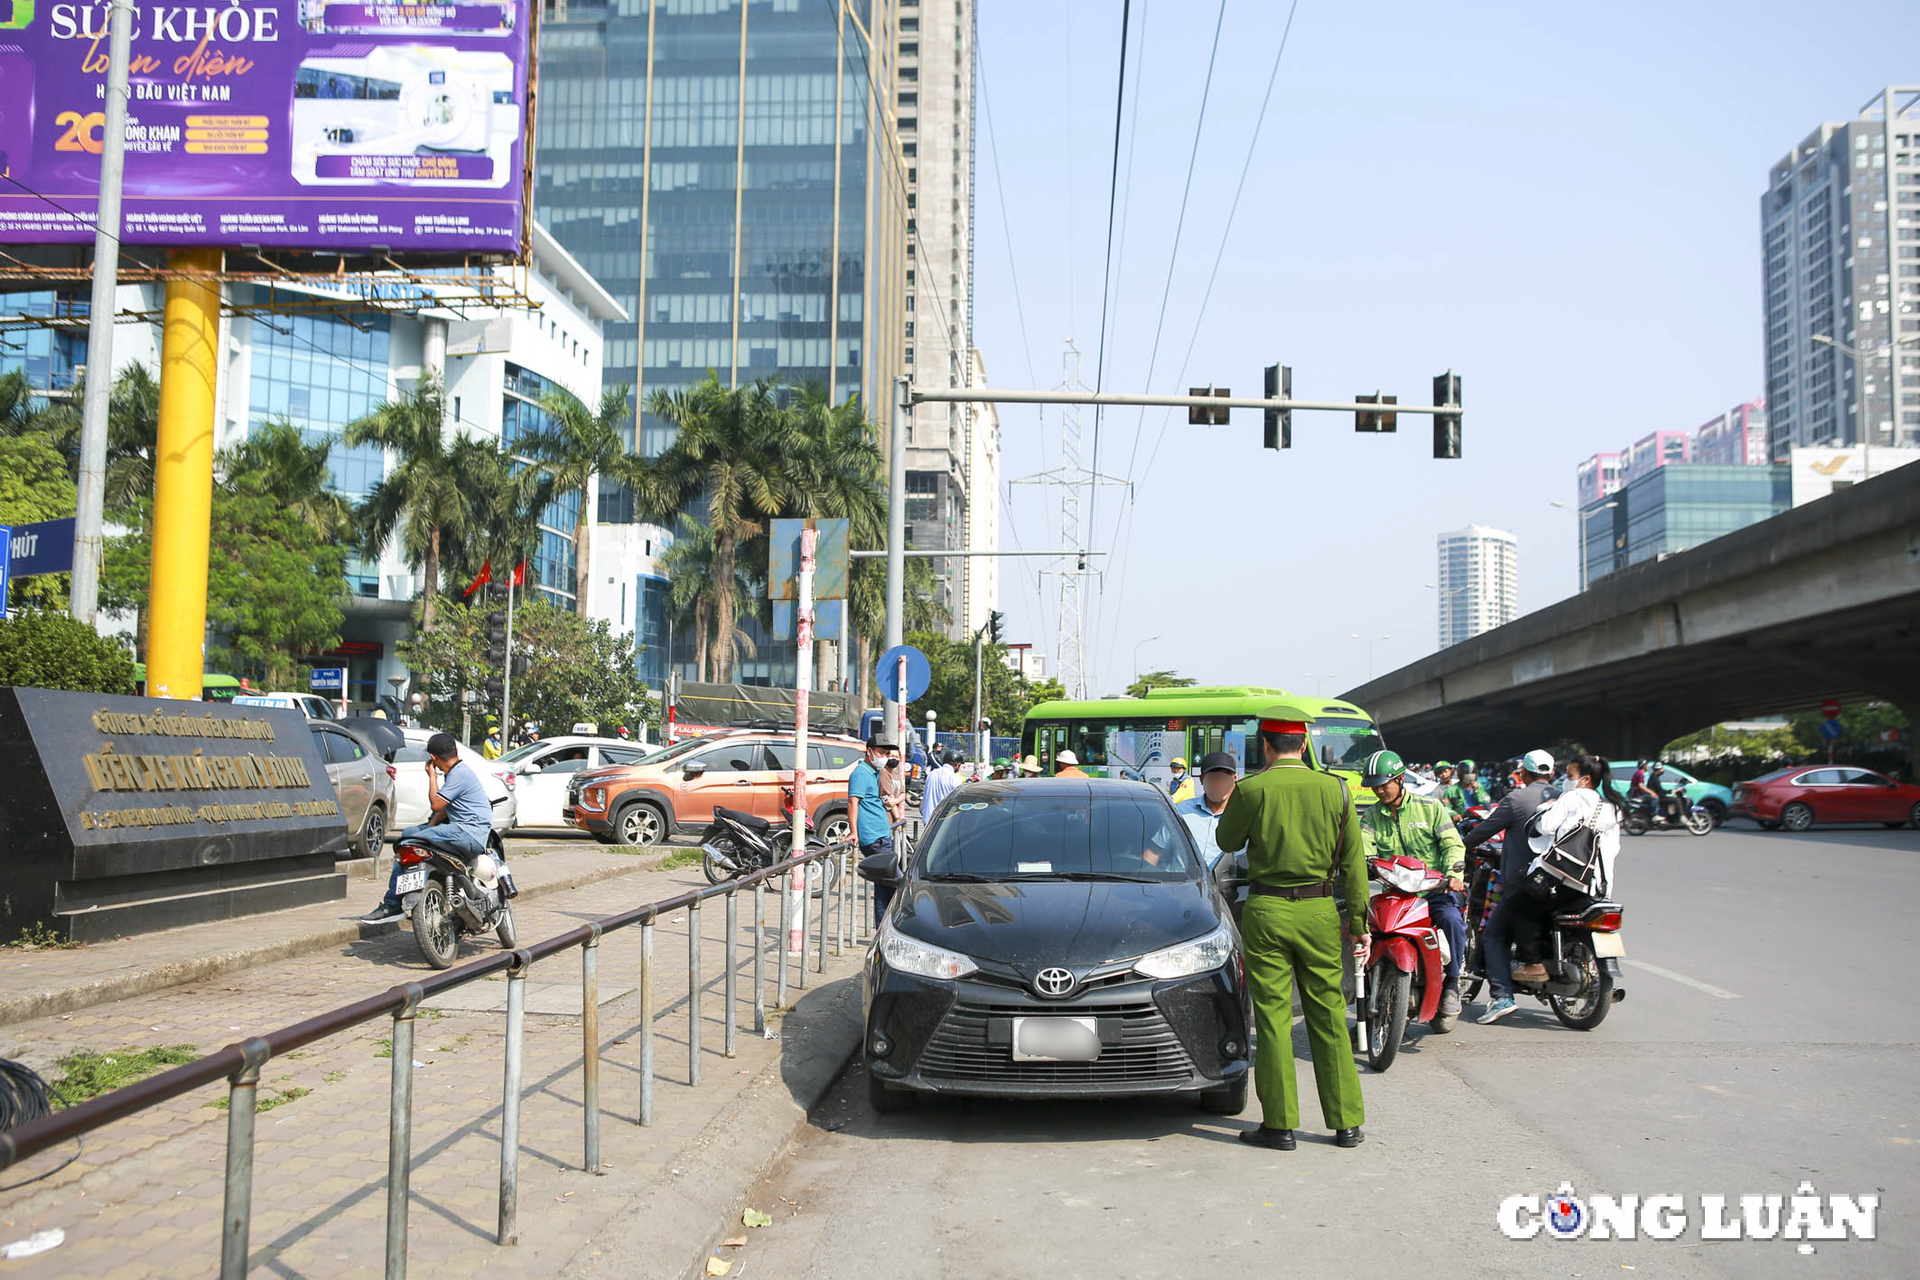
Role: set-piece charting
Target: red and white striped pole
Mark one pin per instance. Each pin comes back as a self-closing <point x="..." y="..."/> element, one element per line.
<point x="802" y="687"/>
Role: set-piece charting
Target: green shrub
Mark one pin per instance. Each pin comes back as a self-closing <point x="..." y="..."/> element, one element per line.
<point x="52" y="651"/>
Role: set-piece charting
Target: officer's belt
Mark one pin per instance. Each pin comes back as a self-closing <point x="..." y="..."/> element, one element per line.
<point x="1293" y="892"/>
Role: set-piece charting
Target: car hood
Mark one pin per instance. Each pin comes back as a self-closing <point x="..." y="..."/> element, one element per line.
<point x="1056" y="922"/>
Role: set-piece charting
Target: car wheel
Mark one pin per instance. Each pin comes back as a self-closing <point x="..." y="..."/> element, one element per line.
<point x="639" y="826"/>
<point x="1796" y="816"/>
<point x="1913" y="815"/>
<point x="835" y="828"/>
<point x="374" y="833"/>
<point x="886" y="1100"/>
<point x="1715" y="810"/>
<point x="1230" y="1101"/>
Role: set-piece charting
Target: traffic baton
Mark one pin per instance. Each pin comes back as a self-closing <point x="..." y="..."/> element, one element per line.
<point x="1360" y="1002"/>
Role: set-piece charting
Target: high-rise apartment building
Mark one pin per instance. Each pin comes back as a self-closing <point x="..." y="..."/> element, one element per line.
<point x="983" y="510"/>
<point x="1655" y="449"/>
<point x="1479" y="582"/>
<point x="1737" y="438"/>
<point x="1599" y="476"/>
<point x="1840" y="259"/>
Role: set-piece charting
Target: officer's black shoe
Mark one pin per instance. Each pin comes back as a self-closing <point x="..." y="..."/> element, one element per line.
<point x="1348" y="1137"/>
<point x="1272" y="1139"/>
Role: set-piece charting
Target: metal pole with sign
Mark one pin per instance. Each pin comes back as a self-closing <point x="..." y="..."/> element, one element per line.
<point x="802" y="687"/>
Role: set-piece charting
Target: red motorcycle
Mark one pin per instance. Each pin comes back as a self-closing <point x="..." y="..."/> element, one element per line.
<point x="1409" y="958"/>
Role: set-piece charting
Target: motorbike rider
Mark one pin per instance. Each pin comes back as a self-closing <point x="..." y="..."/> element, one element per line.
<point x="1590" y="799"/>
<point x="1665" y="803"/>
<point x="1404" y="823"/>
<point x="1511" y="816"/>
<point x="459" y="805"/>
<point x="1465" y="790"/>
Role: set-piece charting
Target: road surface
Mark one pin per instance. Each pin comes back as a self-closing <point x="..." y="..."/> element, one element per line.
<point x="1767" y="1039"/>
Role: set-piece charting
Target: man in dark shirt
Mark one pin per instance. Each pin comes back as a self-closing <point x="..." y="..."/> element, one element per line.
<point x="1511" y="815"/>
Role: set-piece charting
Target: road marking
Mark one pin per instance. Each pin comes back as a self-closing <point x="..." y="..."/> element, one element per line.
<point x="1718" y="993"/>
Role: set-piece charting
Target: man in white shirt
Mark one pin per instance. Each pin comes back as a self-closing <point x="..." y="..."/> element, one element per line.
<point x="940" y="784"/>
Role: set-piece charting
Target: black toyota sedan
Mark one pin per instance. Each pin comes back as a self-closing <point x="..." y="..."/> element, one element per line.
<point x="1056" y="938"/>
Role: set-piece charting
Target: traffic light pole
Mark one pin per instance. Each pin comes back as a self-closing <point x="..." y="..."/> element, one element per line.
<point x="1446" y="420"/>
<point x="506" y="678"/>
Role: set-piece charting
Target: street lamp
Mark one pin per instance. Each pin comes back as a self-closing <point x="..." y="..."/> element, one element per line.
<point x="1860" y="389"/>
<point x="1369" y="643"/>
<point x="1581" y="514"/>
<point x="1136" y="656"/>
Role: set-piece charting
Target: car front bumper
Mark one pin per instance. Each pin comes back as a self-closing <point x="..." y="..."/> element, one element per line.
<point x="1180" y="1036"/>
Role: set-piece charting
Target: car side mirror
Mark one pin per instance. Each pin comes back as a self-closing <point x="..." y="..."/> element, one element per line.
<point x="533" y="769"/>
<point x="882" y="869"/>
<point x="693" y="769"/>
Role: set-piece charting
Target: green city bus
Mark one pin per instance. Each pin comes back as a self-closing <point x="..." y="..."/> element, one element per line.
<point x="1137" y="737"/>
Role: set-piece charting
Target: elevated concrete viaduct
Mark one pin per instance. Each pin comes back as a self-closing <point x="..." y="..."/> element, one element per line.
<point x="1821" y="601"/>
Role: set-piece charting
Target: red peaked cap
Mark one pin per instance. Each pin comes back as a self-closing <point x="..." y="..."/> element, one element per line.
<point x="1283" y="726"/>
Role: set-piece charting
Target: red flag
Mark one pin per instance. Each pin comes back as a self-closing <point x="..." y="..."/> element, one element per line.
<point x="482" y="579"/>
<point x="520" y="575"/>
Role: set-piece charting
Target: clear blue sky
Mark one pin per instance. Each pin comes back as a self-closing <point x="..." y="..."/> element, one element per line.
<point x="1558" y="202"/>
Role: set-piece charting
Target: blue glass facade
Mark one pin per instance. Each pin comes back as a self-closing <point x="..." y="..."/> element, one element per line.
<point x="553" y="564"/>
<point x="320" y="373"/>
<point x="1678" y="506"/>
<point x="47" y="356"/>
<point x="736" y="183"/>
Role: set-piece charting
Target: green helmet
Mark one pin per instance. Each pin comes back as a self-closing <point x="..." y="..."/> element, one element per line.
<point x="1442" y="764"/>
<point x="1001" y="762"/>
<point x="1380" y="767"/>
<point x="1466" y="766"/>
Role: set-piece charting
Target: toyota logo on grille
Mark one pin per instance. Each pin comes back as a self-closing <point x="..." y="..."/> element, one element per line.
<point x="1053" y="982"/>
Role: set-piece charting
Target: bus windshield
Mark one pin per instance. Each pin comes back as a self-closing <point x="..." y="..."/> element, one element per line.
<point x="1344" y="743"/>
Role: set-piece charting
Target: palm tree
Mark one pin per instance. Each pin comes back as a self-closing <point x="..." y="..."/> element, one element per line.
<point x="693" y="589"/>
<point x="133" y="434"/>
<point x="499" y="522"/>
<point x="735" y="447"/>
<point x="578" y="446"/>
<point x="421" y="495"/>
<point x="277" y="462"/>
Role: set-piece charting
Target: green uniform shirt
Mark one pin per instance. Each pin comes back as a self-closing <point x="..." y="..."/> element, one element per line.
<point x="1298" y="827"/>
<point x="1458" y="797"/>
<point x="1420" y="827"/>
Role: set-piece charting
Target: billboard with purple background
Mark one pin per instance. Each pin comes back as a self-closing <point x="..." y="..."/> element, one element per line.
<point x="294" y="124"/>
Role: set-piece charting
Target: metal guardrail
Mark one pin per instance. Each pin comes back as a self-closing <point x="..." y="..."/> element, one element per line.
<point x="240" y="1063"/>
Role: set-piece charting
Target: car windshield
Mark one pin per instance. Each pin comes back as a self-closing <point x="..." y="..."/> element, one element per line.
<point x="1344" y="743"/>
<point x="675" y="751"/>
<point x="1000" y="832"/>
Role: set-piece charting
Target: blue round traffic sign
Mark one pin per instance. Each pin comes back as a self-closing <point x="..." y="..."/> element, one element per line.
<point x="887" y="673"/>
<point x="1830" y="730"/>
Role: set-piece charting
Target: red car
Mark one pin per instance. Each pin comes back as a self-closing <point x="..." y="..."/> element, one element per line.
<point x="1799" y="797"/>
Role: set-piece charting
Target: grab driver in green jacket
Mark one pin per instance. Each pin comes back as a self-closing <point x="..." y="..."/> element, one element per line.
<point x="1405" y="824"/>
<point x="1464" y="790"/>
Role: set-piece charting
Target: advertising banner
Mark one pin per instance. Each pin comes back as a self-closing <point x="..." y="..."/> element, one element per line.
<point x="293" y="124"/>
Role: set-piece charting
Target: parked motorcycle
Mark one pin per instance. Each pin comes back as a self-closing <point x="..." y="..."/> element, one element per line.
<point x="738" y="844"/>
<point x="1641" y="818"/>
<point x="448" y="897"/>
<point x="1584" y="949"/>
<point x="1409" y="957"/>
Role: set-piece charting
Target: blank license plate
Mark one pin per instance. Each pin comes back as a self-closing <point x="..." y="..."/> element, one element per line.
<point x="410" y="882"/>
<point x="1055" y="1040"/>
<point x="1609" y="944"/>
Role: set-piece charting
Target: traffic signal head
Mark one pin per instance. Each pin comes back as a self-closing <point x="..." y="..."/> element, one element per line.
<point x="1375" y="420"/>
<point x="1206" y="415"/>
<point x="1279" y="422"/>
<point x="520" y="665"/>
<point x="1446" y="426"/>
<point x="495" y="687"/>
<point x="496" y="637"/>
<point x="997" y="627"/>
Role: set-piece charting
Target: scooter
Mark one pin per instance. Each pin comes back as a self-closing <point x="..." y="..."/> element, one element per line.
<point x="1584" y="950"/>
<point x="1641" y="818"/>
<point x="448" y="897"/>
<point x="737" y="844"/>
<point x="1409" y="957"/>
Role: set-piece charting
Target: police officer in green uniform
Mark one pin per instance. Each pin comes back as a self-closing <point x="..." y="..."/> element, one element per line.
<point x="1299" y="829"/>
<point x="1407" y="825"/>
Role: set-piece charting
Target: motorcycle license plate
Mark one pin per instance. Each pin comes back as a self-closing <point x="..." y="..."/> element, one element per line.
<point x="410" y="882"/>
<point x="1606" y="945"/>
<point x="1055" y="1040"/>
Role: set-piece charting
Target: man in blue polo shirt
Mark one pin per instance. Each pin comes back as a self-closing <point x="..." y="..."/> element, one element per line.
<point x="872" y="829"/>
<point x="459" y="804"/>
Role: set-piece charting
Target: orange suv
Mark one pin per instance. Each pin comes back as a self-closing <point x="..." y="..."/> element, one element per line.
<point x="676" y="789"/>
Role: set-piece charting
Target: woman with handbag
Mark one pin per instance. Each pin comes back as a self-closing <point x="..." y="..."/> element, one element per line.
<point x="1575" y="841"/>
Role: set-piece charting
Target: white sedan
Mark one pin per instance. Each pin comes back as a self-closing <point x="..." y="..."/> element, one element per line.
<point x="540" y="771"/>
<point x="410" y="785"/>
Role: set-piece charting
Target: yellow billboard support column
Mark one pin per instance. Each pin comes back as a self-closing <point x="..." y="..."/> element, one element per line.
<point x="183" y="479"/>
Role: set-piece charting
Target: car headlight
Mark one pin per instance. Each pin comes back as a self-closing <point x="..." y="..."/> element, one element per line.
<point x="910" y="955"/>
<point x="1201" y="955"/>
<point x="593" y="796"/>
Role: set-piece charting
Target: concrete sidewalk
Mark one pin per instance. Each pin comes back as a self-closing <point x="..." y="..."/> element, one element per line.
<point x="40" y="982"/>
<point x="144" y="1199"/>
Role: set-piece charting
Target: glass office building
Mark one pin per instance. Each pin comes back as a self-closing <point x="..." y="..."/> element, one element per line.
<point x="732" y="174"/>
<point x="1678" y="506"/>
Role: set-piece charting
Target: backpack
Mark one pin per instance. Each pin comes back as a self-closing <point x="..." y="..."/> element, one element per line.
<point x="1572" y="860"/>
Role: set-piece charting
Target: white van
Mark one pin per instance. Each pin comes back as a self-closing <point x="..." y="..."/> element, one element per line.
<point x="312" y="704"/>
